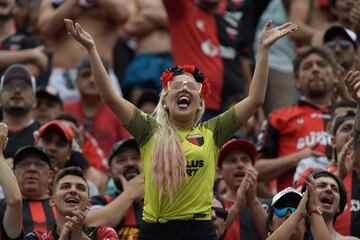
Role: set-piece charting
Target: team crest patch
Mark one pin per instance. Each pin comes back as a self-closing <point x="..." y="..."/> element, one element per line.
<point x="196" y="139"/>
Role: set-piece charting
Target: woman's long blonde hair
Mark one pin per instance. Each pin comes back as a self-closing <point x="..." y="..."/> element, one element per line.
<point x="168" y="164"/>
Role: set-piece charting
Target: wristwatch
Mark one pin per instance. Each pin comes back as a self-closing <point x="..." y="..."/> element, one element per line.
<point x="316" y="211"/>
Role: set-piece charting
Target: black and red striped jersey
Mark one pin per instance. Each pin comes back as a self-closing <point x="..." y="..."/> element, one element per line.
<point x="37" y="215"/>
<point x="128" y="226"/>
<point x="94" y="233"/>
<point x="348" y="223"/>
<point x="290" y="130"/>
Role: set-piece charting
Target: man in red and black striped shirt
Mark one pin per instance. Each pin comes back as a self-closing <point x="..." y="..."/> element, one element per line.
<point x="121" y="210"/>
<point x="32" y="170"/>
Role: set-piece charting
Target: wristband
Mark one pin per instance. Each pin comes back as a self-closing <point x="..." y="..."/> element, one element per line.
<point x="316" y="211"/>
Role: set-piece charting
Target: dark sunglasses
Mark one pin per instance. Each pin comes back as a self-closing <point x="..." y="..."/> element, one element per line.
<point x="220" y="212"/>
<point x="281" y="212"/>
<point x="344" y="44"/>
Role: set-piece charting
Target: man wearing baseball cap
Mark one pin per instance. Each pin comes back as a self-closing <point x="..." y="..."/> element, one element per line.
<point x="121" y="210"/>
<point x="17" y="98"/>
<point x="343" y="44"/>
<point x="32" y="170"/>
<point x="48" y="105"/>
<point x="247" y="217"/>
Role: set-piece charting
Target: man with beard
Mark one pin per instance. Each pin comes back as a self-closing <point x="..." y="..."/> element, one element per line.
<point x="121" y="210"/>
<point x="247" y="217"/>
<point x="17" y="98"/>
<point x="70" y="198"/>
<point x="299" y="131"/>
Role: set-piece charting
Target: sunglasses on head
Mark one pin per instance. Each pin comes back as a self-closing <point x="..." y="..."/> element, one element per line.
<point x="281" y="212"/>
<point x="344" y="44"/>
<point x="220" y="212"/>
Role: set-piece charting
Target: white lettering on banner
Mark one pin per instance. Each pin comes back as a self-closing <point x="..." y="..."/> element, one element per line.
<point x="209" y="49"/>
<point x="355" y="205"/>
<point x="322" y="137"/>
<point x="227" y="52"/>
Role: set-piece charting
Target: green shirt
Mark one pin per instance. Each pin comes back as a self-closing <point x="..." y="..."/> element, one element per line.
<point x="192" y="200"/>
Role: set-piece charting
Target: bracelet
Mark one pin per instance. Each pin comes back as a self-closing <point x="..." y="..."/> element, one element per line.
<point x="316" y="211"/>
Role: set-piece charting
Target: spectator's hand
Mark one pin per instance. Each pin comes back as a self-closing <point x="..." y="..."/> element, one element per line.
<point x="133" y="188"/>
<point x="251" y="177"/>
<point x="270" y="35"/>
<point x="65" y="231"/>
<point x="76" y="223"/>
<point x="313" y="202"/>
<point x="301" y="209"/>
<point x="39" y="57"/>
<point x="241" y="194"/>
<point x="79" y="34"/>
<point x="345" y="159"/>
<point x="309" y="152"/>
<point x="341" y="90"/>
<point x="3" y="136"/>
<point x="352" y="82"/>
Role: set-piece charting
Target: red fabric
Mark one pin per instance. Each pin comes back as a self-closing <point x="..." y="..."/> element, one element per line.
<point x="298" y="127"/>
<point x="343" y="221"/>
<point x="232" y="232"/>
<point x="193" y="32"/>
<point x="107" y="129"/>
<point x="106" y="233"/>
<point x="94" y="153"/>
<point x="38" y="216"/>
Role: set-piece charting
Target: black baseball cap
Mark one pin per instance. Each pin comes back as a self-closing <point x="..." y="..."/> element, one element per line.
<point x="335" y="31"/>
<point x="22" y="152"/>
<point x="49" y="92"/>
<point x="130" y="142"/>
<point x="18" y="71"/>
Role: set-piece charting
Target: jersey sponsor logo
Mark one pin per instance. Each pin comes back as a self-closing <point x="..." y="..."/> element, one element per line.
<point x="193" y="166"/>
<point x="227" y="52"/>
<point x="233" y="18"/>
<point x="300" y="121"/>
<point x="209" y="49"/>
<point x="128" y="233"/>
<point x="196" y="139"/>
<point x="321" y="116"/>
<point x="322" y="137"/>
<point x="355" y="205"/>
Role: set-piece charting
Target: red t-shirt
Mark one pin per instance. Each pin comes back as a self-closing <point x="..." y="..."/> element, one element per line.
<point x="104" y="126"/>
<point x="292" y="129"/>
<point x="194" y="38"/>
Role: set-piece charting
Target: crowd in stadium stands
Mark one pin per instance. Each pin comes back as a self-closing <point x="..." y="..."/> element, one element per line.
<point x="180" y="119"/>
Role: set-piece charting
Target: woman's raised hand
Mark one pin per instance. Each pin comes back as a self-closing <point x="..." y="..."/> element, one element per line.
<point x="79" y="34"/>
<point x="270" y="35"/>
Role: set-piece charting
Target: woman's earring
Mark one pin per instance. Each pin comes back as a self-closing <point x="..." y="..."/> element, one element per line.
<point x="165" y="107"/>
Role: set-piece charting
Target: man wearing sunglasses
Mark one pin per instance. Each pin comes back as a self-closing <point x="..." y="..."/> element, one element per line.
<point x="342" y="43"/>
<point x="17" y="98"/>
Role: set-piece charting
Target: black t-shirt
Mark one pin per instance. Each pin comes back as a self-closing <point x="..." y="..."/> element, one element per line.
<point x="20" y="138"/>
<point x="77" y="159"/>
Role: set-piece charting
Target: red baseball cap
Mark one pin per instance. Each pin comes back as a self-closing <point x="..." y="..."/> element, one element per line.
<point x="64" y="128"/>
<point x="237" y="144"/>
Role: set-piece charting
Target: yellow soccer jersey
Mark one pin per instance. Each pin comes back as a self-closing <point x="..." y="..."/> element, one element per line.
<point x="201" y="144"/>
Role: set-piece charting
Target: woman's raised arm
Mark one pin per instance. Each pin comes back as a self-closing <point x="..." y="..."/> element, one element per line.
<point x="123" y="109"/>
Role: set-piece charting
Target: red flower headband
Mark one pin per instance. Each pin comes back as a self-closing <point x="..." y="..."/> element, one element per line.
<point x="168" y="75"/>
